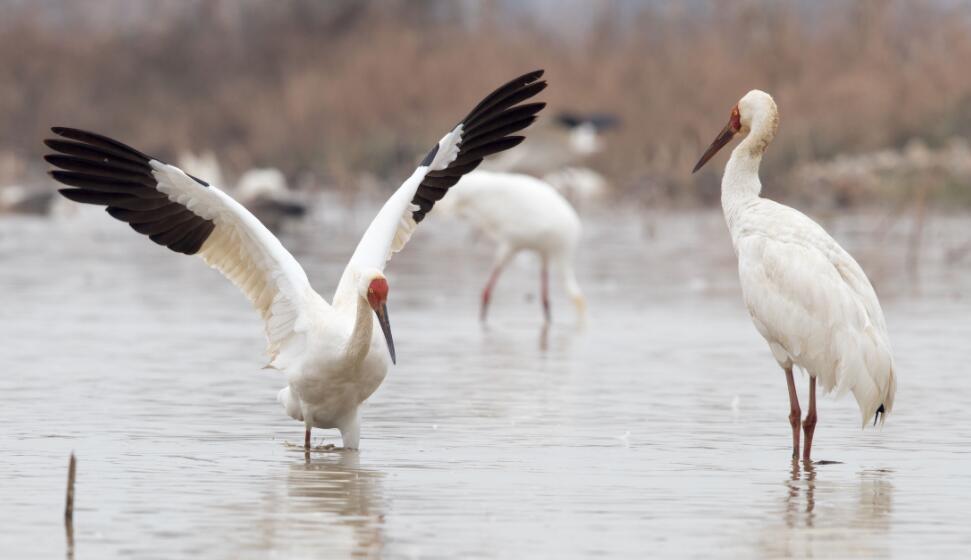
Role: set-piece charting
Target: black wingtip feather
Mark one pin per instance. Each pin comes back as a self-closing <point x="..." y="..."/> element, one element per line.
<point x="533" y="76"/>
<point x="498" y="133"/>
<point x="503" y="102"/>
<point x="70" y="194"/>
<point x="513" y="114"/>
<point x="486" y="130"/>
<point x="485" y="150"/>
<point x="103" y="183"/>
<point x="503" y="92"/>
<point x="106" y="172"/>
<point x="99" y="140"/>
<point x="100" y="153"/>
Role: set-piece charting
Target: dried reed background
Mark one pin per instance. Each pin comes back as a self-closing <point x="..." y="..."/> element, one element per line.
<point x="331" y="90"/>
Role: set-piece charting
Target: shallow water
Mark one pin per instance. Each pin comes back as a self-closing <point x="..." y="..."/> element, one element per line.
<point x="658" y="429"/>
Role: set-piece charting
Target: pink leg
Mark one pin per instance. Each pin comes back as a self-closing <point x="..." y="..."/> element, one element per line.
<point x="502" y="257"/>
<point x="809" y="424"/>
<point x="794" y="412"/>
<point x="487" y="293"/>
<point x="545" y="289"/>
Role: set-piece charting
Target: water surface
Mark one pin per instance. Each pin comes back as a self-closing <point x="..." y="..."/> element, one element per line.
<point x="660" y="428"/>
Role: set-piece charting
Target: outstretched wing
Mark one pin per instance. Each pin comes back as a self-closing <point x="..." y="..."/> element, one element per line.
<point x="488" y="129"/>
<point x="189" y="216"/>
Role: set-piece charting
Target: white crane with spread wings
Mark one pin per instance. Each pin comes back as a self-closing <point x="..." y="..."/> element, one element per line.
<point x="332" y="354"/>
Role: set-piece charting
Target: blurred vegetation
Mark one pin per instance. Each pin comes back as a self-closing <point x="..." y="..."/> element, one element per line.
<point x="331" y="90"/>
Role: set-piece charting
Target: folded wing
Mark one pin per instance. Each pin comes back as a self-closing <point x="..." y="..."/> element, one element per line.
<point x="808" y="304"/>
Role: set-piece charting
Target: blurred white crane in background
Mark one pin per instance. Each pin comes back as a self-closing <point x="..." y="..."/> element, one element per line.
<point x="520" y="213"/>
<point x="332" y="355"/>
<point x="582" y="186"/>
<point x="806" y="295"/>
<point x="586" y="130"/>
<point x="266" y="193"/>
<point x="263" y="191"/>
<point x="17" y="199"/>
<point x="571" y="139"/>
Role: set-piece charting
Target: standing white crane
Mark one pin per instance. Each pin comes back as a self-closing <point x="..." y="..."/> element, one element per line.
<point x="807" y="296"/>
<point x="332" y="355"/>
<point x="520" y="212"/>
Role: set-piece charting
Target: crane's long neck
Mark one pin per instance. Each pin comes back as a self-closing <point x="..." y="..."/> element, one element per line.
<point x="360" y="340"/>
<point x="740" y="183"/>
<point x="348" y="301"/>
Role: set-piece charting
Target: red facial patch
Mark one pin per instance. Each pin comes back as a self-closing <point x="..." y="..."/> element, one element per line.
<point x="736" y="119"/>
<point x="377" y="292"/>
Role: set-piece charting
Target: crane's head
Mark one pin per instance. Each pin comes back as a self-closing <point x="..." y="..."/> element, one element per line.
<point x="373" y="287"/>
<point x="755" y="110"/>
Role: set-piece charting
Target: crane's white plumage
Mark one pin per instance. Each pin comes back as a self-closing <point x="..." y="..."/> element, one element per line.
<point x="204" y="164"/>
<point x="395" y="222"/>
<point x="332" y="355"/>
<point x="252" y="258"/>
<point x="806" y="295"/>
<point x="814" y="305"/>
<point x="521" y="213"/>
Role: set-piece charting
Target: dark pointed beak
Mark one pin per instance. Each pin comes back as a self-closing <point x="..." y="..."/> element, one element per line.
<point x="382" y="314"/>
<point x="724" y="137"/>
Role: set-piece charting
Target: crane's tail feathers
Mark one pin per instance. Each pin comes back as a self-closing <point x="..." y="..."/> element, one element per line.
<point x="877" y="416"/>
<point x="291" y="403"/>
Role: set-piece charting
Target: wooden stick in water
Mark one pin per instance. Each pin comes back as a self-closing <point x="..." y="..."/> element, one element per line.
<point x="69" y="508"/>
<point x="69" y="504"/>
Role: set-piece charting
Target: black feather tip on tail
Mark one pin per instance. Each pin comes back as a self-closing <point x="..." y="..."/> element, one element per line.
<point x="876" y="416"/>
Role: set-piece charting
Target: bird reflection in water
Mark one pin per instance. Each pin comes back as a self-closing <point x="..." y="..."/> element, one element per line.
<point x="827" y="516"/>
<point x="335" y="495"/>
<point x="799" y="510"/>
